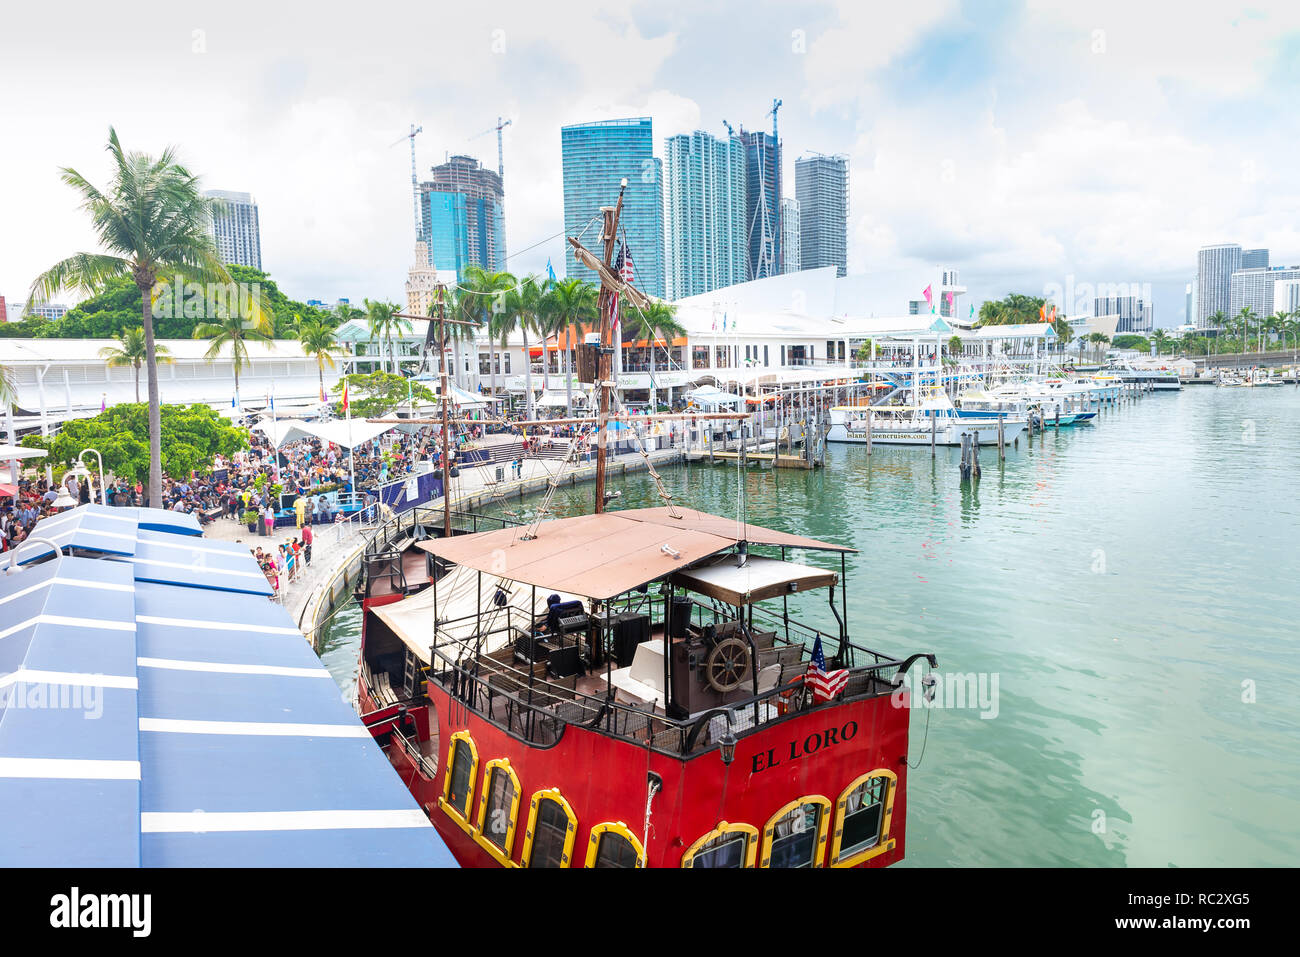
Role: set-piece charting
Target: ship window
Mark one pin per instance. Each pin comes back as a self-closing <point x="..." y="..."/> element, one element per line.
<point x="727" y="845"/>
<point x="863" y="817"/>
<point x="458" y="786"/>
<point x="498" y="810"/>
<point x="796" y="834"/>
<point x="552" y="826"/>
<point x="613" y="845"/>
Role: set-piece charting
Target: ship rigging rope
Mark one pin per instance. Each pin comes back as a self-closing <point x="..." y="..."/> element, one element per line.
<point x="651" y="790"/>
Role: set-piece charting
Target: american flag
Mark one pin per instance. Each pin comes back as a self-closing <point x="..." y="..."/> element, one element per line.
<point x="825" y="685"/>
<point x="623" y="263"/>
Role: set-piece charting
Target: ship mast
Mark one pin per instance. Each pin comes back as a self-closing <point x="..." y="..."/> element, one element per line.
<point x="444" y="398"/>
<point x="610" y="286"/>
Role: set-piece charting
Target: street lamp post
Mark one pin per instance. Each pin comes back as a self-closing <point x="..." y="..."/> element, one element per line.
<point x="103" y="499"/>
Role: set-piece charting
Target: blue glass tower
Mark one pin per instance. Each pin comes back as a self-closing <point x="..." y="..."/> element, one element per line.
<point x="463" y="216"/>
<point x="595" y="157"/>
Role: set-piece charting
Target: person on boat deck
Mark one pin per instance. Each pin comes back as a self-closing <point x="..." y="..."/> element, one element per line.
<point x="552" y="623"/>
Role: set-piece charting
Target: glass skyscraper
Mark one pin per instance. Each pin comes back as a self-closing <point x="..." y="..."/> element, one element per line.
<point x="762" y="203"/>
<point x="464" y="223"/>
<point x="821" y="184"/>
<point x="704" y="213"/>
<point x="1214" y="268"/>
<point x="595" y="157"/>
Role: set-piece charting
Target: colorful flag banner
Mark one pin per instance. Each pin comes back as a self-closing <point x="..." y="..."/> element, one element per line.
<point x="825" y="685"/>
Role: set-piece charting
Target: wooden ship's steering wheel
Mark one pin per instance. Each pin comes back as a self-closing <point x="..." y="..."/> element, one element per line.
<point x="727" y="665"/>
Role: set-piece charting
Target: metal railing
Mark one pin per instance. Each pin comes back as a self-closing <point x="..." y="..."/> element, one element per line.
<point x="537" y="710"/>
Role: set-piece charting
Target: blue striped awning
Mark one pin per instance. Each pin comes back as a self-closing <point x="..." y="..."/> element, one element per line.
<point x="90" y="528"/>
<point x="181" y="723"/>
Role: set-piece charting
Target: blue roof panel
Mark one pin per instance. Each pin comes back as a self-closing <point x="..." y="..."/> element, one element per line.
<point x="220" y="738"/>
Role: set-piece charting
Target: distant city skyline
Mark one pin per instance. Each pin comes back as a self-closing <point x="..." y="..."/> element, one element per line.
<point x="1022" y="172"/>
<point x="596" y="158"/>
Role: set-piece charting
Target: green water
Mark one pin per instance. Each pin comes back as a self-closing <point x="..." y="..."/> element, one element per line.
<point x="1131" y="584"/>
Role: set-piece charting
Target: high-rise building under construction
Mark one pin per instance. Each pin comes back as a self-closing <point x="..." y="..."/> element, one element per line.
<point x="462" y="206"/>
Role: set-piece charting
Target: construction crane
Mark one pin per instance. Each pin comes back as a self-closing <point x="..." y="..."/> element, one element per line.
<point x="501" y="161"/>
<point x="776" y="105"/>
<point x="415" y="185"/>
<point x="730" y="132"/>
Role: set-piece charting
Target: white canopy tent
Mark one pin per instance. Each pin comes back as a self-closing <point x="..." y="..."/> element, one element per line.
<point x="712" y="396"/>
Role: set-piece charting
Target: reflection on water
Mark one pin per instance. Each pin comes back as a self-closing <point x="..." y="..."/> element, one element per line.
<point x="1132" y="585"/>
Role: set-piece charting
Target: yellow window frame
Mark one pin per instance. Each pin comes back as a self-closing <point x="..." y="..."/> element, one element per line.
<point x="615" y="827"/>
<point x="884" y="844"/>
<point x="502" y="857"/>
<point x="751" y="842"/>
<point x="571" y="834"/>
<point x="823" y="827"/>
<point x="444" y="802"/>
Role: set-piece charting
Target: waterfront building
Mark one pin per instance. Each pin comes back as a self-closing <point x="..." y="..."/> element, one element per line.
<point x="1214" y="268"/>
<point x="822" y="187"/>
<point x="1254" y="259"/>
<point x="1253" y="289"/>
<point x="762" y="203"/>
<point x="59" y="379"/>
<point x="704" y="213"/>
<point x="236" y="228"/>
<point x="462" y="209"/>
<point x="1135" y="314"/>
<point x="1286" y="296"/>
<point x="791" y="241"/>
<point x="595" y="158"/>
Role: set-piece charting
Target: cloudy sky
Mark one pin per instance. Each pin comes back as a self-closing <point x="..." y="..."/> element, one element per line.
<point x="1031" y="145"/>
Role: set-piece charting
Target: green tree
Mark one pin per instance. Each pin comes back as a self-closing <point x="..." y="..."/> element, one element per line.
<point x="319" y="341"/>
<point x="191" y="436"/>
<point x="153" y="220"/>
<point x="573" y="303"/>
<point x="954" y="345"/>
<point x="384" y="322"/>
<point x="236" y="332"/>
<point x="483" y="296"/>
<point x="132" y="352"/>
<point x="1243" y="321"/>
<point x="659" y="322"/>
<point x="1014" y="309"/>
<point x="525" y="303"/>
<point x="373" y="394"/>
<point x="1131" y="340"/>
<point x="1162" y="340"/>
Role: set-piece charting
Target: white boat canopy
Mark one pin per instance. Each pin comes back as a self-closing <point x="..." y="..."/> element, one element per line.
<point x="710" y="395"/>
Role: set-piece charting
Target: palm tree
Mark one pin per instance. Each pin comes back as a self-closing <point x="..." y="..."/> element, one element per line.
<point x="574" y="303"/>
<point x="1097" y="339"/>
<point x="524" y="303"/>
<point x="133" y="352"/>
<point x="485" y="303"/>
<point x="1161" y="340"/>
<point x="153" y="221"/>
<point x="235" y="331"/>
<point x="1291" y="327"/>
<point x="1244" y="319"/>
<point x="345" y="312"/>
<point x="1276" y="323"/>
<point x="319" y="341"/>
<point x="660" y="320"/>
<point x="383" y="321"/>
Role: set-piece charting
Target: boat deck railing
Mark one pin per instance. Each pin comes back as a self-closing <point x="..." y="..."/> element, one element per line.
<point x="536" y="708"/>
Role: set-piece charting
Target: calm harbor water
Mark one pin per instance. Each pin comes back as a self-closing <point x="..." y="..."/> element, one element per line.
<point x="1131" y="586"/>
